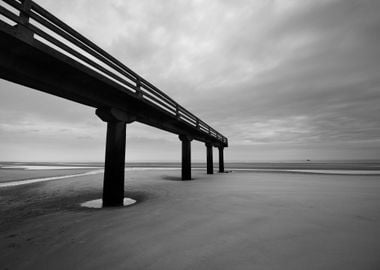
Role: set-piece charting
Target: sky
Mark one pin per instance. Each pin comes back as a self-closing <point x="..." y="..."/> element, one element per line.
<point x="281" y="79"/>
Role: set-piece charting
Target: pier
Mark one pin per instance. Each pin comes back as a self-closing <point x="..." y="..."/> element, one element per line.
<point x="40" y="51"/>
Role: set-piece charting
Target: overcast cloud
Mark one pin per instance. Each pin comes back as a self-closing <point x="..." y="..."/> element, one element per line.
<point x="282" y="80"/>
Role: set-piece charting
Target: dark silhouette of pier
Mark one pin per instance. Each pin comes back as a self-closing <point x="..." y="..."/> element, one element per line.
<point x="39" y="51"/>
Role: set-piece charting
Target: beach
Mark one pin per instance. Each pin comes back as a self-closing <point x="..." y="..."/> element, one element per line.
<point x="236" y="220"/>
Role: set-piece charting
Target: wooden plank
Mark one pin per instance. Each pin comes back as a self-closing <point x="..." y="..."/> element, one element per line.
<point x="14" y="4"/>
<point x="153" y="98"/>
<point x="79" y="44"/>
<point x="44" y="13"/>
<point x="79" y="56"/>
<point x="184" y="116"/>
<point x="10" y="15"/>
<point x="155" y="91"/>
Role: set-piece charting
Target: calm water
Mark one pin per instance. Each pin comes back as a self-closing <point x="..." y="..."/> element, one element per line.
<point x="342" y="165"/>
<point x="17" y="173"/>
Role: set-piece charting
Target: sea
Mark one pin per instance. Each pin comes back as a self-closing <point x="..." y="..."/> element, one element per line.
<point x="21" y="173"/>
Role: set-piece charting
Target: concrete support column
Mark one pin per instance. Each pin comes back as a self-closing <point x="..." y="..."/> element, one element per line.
<point x="221" y="159"/>
<point x="186" y="157"/>
<point x="210" y="167"/>
<point x="113" y="182"/>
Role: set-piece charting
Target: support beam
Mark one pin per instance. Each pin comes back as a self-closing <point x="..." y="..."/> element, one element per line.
<point x="113" y="182"/>
<point x="210" y="167"/>
<point x="221" y="159"/>
<point x="186" y="157"/>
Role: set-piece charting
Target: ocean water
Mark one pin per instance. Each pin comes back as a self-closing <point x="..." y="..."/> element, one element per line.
<point x="20" y="173"/>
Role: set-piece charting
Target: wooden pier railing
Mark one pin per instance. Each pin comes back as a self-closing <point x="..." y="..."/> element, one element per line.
<point x="48" y="29"/>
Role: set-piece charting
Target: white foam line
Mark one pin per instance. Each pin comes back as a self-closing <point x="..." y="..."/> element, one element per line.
<point x="32" y="167"/>
<point x="36" y="180"/>
<point x="361" y="172"/>
<point x="351" y="172"/>
<point x="42" y="167"/>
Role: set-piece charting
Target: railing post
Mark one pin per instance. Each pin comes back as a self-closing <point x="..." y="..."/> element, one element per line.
<point x="26" y="5"/>
<point x="210" y="167"/>
<point x="23" y="31"/>
<point x="139" y="92"/>
<point x="221" y="159"/>
<point x="186" y="156"/>
<point x="114" y="167"/>
<point x="177" y="111"/>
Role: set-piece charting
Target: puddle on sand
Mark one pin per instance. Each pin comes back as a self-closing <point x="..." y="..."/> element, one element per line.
<point x="99" y="203"/>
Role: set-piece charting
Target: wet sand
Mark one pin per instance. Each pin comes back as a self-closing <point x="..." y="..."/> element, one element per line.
<point x="238" y="220"/>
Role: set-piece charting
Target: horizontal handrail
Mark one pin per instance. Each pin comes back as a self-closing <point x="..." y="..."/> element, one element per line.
<point x="84" y="51"/>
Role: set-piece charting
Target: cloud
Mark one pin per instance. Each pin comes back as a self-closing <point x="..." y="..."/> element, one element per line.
<point x="261" y="72"/>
